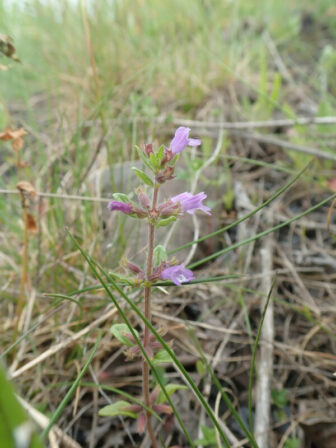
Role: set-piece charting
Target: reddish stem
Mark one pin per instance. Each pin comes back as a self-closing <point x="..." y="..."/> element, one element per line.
<point x="151" y="235"/>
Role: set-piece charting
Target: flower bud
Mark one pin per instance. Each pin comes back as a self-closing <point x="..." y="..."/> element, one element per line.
<point x="120" y="206"/>
<point x="142" y="421"/>
<point x="165" y="175"/>
<point x="162" y="408"/>
<point x="149" y="149"/>
<point x="132" y="267"/>
<point x="143" y="198"/>
<point x="169" y="208"/>
<point x="133" y="408"/>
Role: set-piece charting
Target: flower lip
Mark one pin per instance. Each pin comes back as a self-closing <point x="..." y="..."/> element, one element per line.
<point x="181" y="140"/>
<point x="190" y="203"/>
<point x="177" y="274"/>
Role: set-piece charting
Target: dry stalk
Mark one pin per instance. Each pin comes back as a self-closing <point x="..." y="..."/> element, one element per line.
<point x="265" y="365"/>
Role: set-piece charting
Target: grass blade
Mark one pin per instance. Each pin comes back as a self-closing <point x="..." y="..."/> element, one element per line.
<point x="264" y="233"/>
<point x="68" y="395"/>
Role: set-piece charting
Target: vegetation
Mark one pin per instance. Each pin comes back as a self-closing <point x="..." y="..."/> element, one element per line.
<point x="83" y="83"/>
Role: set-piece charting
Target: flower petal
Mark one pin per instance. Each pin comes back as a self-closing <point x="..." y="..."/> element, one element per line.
<point x="181" y="140"/>
<point x="177" y="274"/>
<point x="190" y="203"/>
<point x="120" y="206"/>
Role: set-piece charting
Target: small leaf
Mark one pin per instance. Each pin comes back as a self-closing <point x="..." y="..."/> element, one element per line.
<point x="165" y="222"/>
<point x="200" y="367"/>
<point x="143" y="157"/>
<point x="170" y="389"/>
<point x="143" y="176"/>
<point x="209" y="437"/>
<point x="162" y="357"/>
<point x="160" y="154"/>
<point x="292" y="443"/>
<point x="121" y="197"/>
<point x="118" y="408"/>
<point x="160" y="255"/>
<point x="153" y="161"/>
<point x="119" y="331"/>
<point x="279" y="397"/>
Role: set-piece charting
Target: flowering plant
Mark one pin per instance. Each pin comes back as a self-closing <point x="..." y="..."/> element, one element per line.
<point x="161" y="165"/>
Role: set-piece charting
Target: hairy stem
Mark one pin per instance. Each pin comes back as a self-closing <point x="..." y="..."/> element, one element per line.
<point x="151" y="235"/>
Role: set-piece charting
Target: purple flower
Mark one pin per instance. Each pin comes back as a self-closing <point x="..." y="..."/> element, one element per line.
<point x="177" y="274"/>
<point x="181" y="140"/>
<point x="120" y="206"/>
<point x="190" y="203"/>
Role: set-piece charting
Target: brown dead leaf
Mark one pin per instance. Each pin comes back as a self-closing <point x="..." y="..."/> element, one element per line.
<point x="15" y="136"/>
<point x="31" y="223"/>
<point x="17" y="143"/>
<point x="7" y="48"/>
<point x="27" y="188"/>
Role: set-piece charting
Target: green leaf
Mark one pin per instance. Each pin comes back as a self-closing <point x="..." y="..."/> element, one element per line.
<point x="200" y="367"/>
<point x="165" y="222"/>
<point x="143" y="176"/>
<point x="118" y="408"/>
<point x="160" y="154"/>
<point x="162" y="357"/>
<point x="119" y="331"/>
<point x="279" y="397"/>
<point x="143" y="157"/>
<point x="153" y="161"/>
<point x="170" y="389"/>
<point x="13" y="419"/>
<point x="209" y="437"/>
<point x="292" y="443"/>
<point x="121" y="197"/>
<point x="160" y="255"/>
